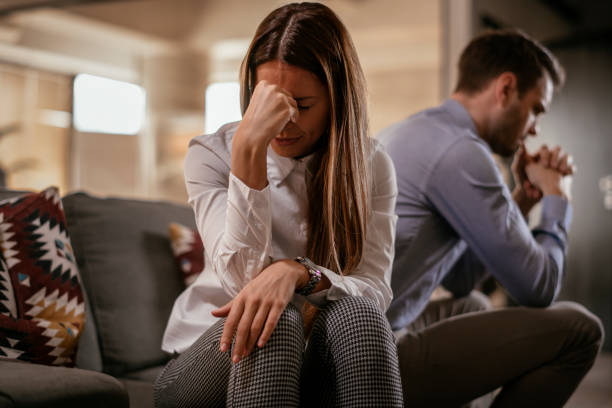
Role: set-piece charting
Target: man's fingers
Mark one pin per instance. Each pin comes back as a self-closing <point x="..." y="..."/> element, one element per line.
<point x="230" y="325"/>
<point x="257" y="326"/>
<point x="273" y="316"/>
<point x="242" y="334"/>
<point x="519" y="159"/>
<point x="531" y="190"/>
<point x="554" y="158"/>
<point x="563" y="166"/>
<point x="545" y="154"/>
<point x="569" y="167"/>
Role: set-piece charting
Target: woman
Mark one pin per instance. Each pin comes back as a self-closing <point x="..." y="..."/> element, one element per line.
<point x="295" y="207"/>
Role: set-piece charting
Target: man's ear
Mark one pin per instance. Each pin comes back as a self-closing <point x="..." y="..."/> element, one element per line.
<point x="505" y="88"/>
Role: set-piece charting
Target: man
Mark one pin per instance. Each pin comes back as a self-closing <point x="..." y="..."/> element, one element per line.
<point x="457" y="219"/>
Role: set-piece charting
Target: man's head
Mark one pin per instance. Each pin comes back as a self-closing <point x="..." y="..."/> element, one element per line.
<point x="518" y="76"/>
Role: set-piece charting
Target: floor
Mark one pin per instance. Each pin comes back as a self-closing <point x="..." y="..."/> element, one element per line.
<point x="595" y="391"/>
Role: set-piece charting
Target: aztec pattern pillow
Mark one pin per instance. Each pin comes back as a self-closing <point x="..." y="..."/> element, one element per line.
<point x="188" y="251"/>
<point x="42" y="311"/>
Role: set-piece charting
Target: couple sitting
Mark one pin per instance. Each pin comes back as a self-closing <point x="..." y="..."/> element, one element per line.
<point x="301" y="215"/>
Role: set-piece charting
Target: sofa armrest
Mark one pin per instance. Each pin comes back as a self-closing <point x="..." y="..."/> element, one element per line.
<point x="26" y="385"/>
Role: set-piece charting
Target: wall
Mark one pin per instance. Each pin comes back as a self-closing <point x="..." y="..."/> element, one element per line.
<point x="171" y="50"/>
<point x="37" y="104"/>
<point x="579" y="120"/>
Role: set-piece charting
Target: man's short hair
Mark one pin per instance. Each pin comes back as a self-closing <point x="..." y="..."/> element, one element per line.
<point x="495" y="52"/>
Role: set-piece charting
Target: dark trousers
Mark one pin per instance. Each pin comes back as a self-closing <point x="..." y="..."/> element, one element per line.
<point x="454" y="353"/>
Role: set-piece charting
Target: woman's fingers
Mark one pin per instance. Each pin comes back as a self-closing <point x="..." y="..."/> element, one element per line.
<point x="291" y="104"/>
<point x="257" y="326"/>
<point x="275" y="312"/>
<point x="242" y="334"/>
<point x="223" y="310"/>
<point x="294" y="112"/>
<point x="230" y="325"/>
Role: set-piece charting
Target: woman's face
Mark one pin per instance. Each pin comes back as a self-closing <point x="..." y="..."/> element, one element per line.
<point x="298" y="139"/>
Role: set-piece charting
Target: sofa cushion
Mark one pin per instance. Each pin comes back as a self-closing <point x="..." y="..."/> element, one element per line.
<point x="188" y="251"/>
<point x="140" y="393"/>
<point x="4" y="193"/>
<point x="147" y="375"/>
<point x="128" y="270"/>
<point x="34" y="385"/>
<point x="42" y="308"/>
<point x="88" y="355"/>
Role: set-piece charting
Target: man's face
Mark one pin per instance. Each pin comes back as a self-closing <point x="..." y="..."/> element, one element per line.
<point x="519" y="119"/>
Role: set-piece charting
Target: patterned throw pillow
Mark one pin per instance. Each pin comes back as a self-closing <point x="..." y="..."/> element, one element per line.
<point x="42" y="311"/>
<point x="188" y="251"/>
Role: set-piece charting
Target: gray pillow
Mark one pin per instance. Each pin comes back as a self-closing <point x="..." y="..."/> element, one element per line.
<point x="127" y="267"/>
<point x="4" y="193"/>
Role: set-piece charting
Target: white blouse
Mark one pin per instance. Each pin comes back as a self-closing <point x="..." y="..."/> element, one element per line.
<point x="244" y="230"/>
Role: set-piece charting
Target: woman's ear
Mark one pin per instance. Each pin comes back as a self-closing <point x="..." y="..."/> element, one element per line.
<point x="505" y="88"/>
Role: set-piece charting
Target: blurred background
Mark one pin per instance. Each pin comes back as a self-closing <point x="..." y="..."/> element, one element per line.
<point x="104" y="96"/>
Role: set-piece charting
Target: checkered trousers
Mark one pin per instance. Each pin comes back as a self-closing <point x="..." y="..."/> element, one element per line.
<point x="350" y="361"/>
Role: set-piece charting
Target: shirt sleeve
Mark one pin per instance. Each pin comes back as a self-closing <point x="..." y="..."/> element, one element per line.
<point x="372" y="276"/>
<point x="465" y="274"/>
<point x="233" y="220"/>
<point x="466" y="187"/>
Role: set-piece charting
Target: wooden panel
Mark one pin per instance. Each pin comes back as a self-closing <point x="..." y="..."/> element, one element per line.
<point x="35" y="156"/>
<point x="107" y="164"/>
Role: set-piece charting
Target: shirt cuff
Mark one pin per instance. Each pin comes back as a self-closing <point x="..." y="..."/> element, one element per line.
<point x="556" y="218"/>
<point x="244" y="189"/>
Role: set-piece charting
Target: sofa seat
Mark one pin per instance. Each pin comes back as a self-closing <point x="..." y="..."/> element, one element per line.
<point x="130" y="281"/>
<point x="26" y="385"/>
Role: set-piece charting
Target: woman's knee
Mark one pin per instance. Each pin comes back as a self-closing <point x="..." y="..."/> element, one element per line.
<point x="290" y="320"/>
<point x="354" y="315"/>
<point x="289" y="329"/>
<point x="353" y="306"/>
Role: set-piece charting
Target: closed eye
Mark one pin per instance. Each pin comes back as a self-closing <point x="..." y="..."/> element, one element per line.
<point x="303" y="108"/>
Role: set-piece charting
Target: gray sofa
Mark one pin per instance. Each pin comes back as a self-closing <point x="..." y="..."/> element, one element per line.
<point x="130" y="281"/>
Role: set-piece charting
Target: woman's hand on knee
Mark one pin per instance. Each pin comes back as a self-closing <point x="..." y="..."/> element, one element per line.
<point x="254" y="312"/>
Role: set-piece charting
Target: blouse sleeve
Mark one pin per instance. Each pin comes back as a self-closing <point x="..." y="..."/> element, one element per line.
<point x="372" y="276"/>
<point x="233" y="219"/>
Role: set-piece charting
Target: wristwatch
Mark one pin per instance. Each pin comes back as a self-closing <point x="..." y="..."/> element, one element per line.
<point x="313" y="272"/>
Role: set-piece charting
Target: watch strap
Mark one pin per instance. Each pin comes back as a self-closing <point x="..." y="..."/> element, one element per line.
<point x="314" y="276"/>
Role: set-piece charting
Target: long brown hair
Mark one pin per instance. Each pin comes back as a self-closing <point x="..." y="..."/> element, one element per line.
<point x="310" y="36"/>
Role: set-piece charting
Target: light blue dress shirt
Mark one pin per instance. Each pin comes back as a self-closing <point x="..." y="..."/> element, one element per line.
<point x="457" y="218"/>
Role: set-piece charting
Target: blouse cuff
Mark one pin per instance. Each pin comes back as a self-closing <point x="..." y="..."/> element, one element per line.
<point x="322" y="297"/>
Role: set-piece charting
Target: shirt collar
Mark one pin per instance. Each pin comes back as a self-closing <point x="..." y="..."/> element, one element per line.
<point x="460" y="115"/>
<point x="279" y="167"/>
